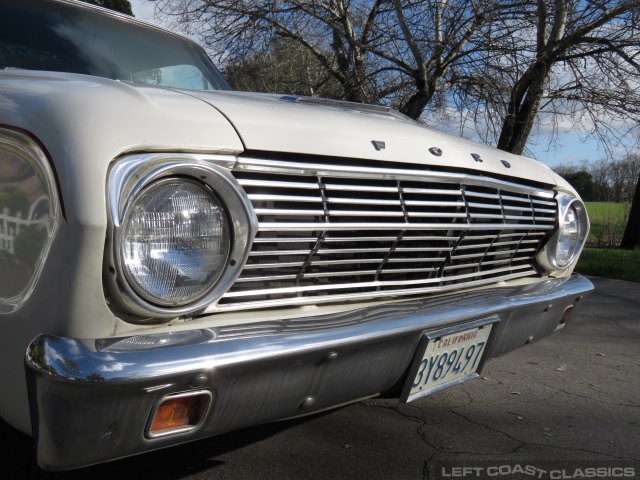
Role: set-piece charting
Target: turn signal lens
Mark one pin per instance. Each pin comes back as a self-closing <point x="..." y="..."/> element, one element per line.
<point x="179" y="413"/>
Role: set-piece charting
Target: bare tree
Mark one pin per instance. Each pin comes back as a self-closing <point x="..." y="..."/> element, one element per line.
<point x="442" y="45"/>
<point x="404" y="53"/>
<point x="631" y="168"/>
<point x="496" y="63"/>
<point x="122" y="6"/>
<point x="338" y="33"/>
<point x="582" y="64"/>
<point x="286" y="67"/>
<point x="600" y="173"/>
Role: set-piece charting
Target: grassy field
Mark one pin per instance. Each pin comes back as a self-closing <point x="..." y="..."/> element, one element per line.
<point x="610" y="263"/>
<point x="608" y="221"/>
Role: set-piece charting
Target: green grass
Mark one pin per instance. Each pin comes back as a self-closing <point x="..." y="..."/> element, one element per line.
<point x="600" y="210"/>
<point x="610" y="263"/>
<point x="607" y="223"/>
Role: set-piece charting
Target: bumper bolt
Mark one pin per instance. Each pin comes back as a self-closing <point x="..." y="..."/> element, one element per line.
<point x="198" y="381"/>
<point x="330" y="357"/>
<point x="307" y="403"/>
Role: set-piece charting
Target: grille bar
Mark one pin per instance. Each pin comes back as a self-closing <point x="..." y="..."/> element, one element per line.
<point x="295" y="301"/>
<point x="314" y="227"/>
<point x="349" y="286"/>
<point x="329" y="233"/>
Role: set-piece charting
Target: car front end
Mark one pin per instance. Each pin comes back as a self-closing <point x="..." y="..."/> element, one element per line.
<point x="207" y="260"/>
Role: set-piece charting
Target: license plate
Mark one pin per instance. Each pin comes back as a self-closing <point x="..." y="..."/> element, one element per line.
<point x="448" y="358"/>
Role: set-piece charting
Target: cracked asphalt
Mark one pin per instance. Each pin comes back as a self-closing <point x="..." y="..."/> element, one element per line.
<point x="573" y="397"/>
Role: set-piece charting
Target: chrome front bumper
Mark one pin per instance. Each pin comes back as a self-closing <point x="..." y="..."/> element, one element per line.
<point x="90" y="405"/>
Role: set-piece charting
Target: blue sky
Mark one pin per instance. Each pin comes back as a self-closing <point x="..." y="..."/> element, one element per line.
<point x="570" y="147"/>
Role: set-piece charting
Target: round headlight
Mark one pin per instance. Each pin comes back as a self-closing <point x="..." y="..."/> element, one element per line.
<point x="564" y="246"/>
<point x="175" y="242"/>
<point x="568" y="238"/>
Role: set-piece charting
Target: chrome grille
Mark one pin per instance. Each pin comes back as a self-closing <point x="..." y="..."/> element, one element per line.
<point x="330" y="233"/>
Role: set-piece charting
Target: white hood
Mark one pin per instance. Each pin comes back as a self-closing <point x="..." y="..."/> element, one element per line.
<point x="279" y="123"/>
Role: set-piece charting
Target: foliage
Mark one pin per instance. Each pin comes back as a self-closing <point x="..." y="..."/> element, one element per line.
<point x="604" y="180"/>
<point x="610" y="263"/>
<point x="578" y="63"/>
<point x="607" y="223"/>
<point x="583" y="183"/>
<point x="284" y="66"/>
<point x="122" y="6"/>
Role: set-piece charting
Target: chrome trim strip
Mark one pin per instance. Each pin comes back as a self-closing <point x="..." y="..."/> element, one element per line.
<point x="431" y="191"/>
<point x="252" y="266"/>
<point x="277" y="184"/>
<point x="341" y="286"/>
<point x="324" y="226"/>
<point x="277" y="166"/>
<point x="297" y="301"/>
<point x="354" y="107"/>
<point x="284" y="198"/>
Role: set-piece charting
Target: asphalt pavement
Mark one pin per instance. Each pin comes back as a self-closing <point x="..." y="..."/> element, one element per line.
<point x="567" y="406"/>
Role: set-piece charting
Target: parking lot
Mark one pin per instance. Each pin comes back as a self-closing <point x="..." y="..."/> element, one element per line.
<point x="568" y="402"/>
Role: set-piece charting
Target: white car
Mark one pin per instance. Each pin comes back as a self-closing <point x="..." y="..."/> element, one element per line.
<point x="178" y="260"/>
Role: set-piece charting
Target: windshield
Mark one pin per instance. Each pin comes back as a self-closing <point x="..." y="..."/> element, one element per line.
<point x="61" y="37"/>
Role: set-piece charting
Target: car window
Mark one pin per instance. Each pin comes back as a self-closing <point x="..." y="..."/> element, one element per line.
<point x="55" y="36"/>
<point x="182" y="76"/>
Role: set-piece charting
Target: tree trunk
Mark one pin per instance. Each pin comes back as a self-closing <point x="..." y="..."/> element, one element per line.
<point x="349" y="84"/>
<point x="415" y="105"/>
<point x="522" y="111"/>
<point x="631" y="238"/>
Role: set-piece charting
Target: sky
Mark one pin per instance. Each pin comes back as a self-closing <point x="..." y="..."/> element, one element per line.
<point x="570" y="148"/>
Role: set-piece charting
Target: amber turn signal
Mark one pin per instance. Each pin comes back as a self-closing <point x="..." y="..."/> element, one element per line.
<point x="179" y="413"/>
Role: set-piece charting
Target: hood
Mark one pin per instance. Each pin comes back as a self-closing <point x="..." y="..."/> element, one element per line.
<point x="278" y="123"/>
<point x="85" y="122"/>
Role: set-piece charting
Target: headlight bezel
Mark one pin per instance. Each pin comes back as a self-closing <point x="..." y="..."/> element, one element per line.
<point x="548" y="256"/>
<point x="131" y="176"/>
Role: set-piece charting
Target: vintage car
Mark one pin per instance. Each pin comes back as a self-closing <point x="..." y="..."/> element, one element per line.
<point x="179" y="260"/>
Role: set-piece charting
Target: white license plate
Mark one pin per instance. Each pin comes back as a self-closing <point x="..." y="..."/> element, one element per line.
<point x="448" y="360"/>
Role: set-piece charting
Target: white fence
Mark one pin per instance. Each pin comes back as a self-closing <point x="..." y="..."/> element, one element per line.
<point x="12" y="225"/>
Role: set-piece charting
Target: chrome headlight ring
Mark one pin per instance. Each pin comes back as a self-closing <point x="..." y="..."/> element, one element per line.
<point x="563" y="248"/>
<point x="129" y="180"/>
